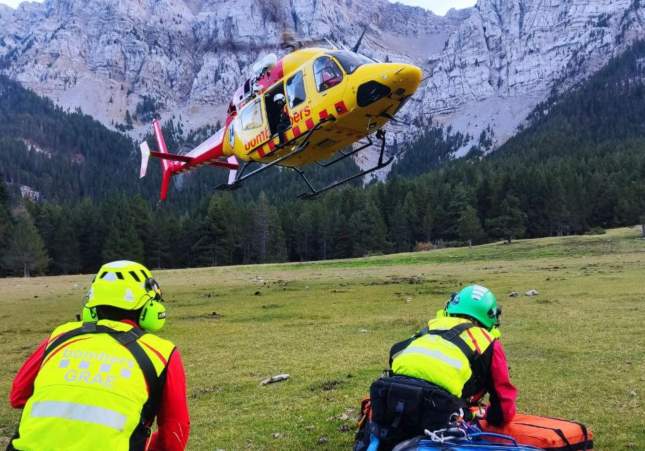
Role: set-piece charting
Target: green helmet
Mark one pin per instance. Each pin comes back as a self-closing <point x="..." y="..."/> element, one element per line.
<point x="476" y="302"/>
<point x="128" y="286"/>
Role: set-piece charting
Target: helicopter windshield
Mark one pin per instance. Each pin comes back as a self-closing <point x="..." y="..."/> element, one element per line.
<point x="350" y="61"/>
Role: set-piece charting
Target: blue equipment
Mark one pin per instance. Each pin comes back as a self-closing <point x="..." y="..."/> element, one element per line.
<point x="458" y="439"/>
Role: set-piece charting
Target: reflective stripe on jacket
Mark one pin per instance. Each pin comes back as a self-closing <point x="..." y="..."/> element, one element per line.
<point x="450" y="353"/>
<point x="98" y="388"/>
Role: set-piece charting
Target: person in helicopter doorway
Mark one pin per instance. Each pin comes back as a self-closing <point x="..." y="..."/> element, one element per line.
<point x="284" y="122"/>
<point x="438" y="373"/>
<point x="99" y="383"/>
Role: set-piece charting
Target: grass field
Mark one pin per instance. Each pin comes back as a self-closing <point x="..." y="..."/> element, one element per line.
<point x="576" y="350"/>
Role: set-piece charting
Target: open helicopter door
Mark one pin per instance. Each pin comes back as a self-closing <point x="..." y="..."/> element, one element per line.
<point x="252" y="127"/>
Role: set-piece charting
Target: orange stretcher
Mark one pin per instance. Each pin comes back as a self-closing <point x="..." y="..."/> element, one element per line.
<point x="551" y="434"/>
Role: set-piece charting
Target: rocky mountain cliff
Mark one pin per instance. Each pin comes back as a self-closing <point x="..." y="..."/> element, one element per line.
<point x="487" y="66"/>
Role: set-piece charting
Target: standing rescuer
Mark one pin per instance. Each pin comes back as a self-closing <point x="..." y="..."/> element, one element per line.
<point x="99" y="384"/>
<point x="442" y="370"/>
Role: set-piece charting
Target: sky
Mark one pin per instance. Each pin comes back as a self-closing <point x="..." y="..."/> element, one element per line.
<point x="13" y="3"/>
<point x="440" y="7"/>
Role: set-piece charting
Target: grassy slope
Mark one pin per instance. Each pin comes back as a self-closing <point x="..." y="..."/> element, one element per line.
<point x="576" y="350"/>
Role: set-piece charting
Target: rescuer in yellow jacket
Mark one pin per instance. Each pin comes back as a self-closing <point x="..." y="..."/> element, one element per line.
<point x="441" y="370"/>
<point x="99" y="384"/>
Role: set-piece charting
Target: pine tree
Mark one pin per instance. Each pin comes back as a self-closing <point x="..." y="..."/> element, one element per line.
<point x="369" y="228"/>
<point x="262" y="231"/>
<point x="303" y="234"/>
<point x="469" y="227"/>
<point x="128" y="120"/>
<point x="402" y="223"/>
<point x="144" y="223"/>
<point x="202" y="243"/>
<point x="170" y="249"/>
<point x="90" y="230"/>
<point x="123" y="243"/>
<point x="26" y="252"/>
<point x="64" y="247"/>
<point x="5" y="219"/>
<point x="220" y="217"/>
<point x="510" y="221"/>
<point x="277" y="248"/>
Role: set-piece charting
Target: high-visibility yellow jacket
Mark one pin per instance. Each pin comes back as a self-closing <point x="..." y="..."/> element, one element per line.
<point x="98" y="388"/>
<point x="450" y="353"/>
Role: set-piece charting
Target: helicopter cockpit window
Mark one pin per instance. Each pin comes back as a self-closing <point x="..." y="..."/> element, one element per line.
<point x="251" y="116"/>
<point x="350" y="61"/>
<point x="296" y="90"/>
<point x="327" y="73"/>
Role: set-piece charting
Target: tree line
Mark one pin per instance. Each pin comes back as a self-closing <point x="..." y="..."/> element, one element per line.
<point x="468" y="201"/>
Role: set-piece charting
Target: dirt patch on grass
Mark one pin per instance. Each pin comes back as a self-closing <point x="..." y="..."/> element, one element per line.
<point x="544" y="301"/>
<point x="398" y="280"/>
<point x="201" y="316"/>
<point x="203" y="392"/>
<point x="327" y="385"/>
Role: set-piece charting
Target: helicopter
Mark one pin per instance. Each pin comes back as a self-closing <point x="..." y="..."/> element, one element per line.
<point x="308" y="107"/>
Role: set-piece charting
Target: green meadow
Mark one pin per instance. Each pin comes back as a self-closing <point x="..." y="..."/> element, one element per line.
<point x="576" y="350"/>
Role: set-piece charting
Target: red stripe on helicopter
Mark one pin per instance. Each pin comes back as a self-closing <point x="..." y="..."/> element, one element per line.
<point x="340" y="107"/>
<point x="323" y="115"/>
<point x="261" y="152"/>
<point x="272" y="146"/>
<point x="296" y="131"/>
<point x="310" y="124"/>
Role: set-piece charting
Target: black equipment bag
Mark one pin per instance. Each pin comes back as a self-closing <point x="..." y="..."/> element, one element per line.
<point x="402" y="407"/>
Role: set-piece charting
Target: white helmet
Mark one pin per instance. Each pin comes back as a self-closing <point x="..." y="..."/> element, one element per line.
<point x="278" y="98"/>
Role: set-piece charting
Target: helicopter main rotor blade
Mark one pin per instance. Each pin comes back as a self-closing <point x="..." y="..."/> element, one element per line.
<point x="360" y="40"/>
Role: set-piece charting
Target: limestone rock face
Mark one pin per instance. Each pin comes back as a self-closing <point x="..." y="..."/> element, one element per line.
<point x="106" y="56"/>
<point x="487" y="66"/>
<point x="509" y="54"/>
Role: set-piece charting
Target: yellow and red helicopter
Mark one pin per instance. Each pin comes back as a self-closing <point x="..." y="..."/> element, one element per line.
<point x="304" y="108"/>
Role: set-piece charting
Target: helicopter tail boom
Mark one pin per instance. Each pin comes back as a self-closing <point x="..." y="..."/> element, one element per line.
<point x="208" y="153"/>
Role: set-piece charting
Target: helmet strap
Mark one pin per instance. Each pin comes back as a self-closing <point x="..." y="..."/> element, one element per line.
<point x="453" y="295"/>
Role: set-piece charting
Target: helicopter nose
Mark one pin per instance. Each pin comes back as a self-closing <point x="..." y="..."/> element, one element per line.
<point x="406" y="79"/>
<point x="400" y="80"/>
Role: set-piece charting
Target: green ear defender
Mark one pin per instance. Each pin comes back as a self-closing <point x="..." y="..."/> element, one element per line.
<point x="153" y="316"/>
<point x="153" y="313"/>
<point x="89" y="315"/>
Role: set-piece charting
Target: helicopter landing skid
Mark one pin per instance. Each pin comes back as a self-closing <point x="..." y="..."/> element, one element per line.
<point x="313" y="192"/>
<point x="237" y="183"/>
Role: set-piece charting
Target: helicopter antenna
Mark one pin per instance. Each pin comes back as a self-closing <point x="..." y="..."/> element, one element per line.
<point x="360" y="40"/>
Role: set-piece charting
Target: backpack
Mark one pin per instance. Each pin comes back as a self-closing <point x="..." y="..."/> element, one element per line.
<point x="402" y="407"/>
